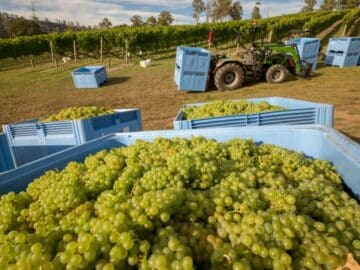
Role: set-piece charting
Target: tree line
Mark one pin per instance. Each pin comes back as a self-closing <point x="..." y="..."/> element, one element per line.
<point x="215" y="11"/>
<point x="13" y="26"/>
<point x="330" y="5"/>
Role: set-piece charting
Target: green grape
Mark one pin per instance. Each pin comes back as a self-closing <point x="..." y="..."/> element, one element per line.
<point x="356" y="244"/>
<point x="222" y="108"/>
<point x="187" y="263"/>
<point x="74" y="113"/>
<point x="183" y="204"/>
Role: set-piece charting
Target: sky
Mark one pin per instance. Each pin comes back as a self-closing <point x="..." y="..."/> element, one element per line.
<point x="90" y="12"/>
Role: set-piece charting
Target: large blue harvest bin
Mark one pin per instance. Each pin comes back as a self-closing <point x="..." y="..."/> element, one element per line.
<point x="308" y="49"/>
<point x="32" y="140"/>
<point x="298" y="112"/>
<point x="314" y="141"/>
<point x="6" y="162"/>
<point x="343" y="52"/>
<point x="89" y="76"/>
<point x="191" y="68"/>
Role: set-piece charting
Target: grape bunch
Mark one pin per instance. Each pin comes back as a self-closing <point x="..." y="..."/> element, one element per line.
<point x="183" y="204"/>
<point x="74" y="113"/>
<point x="224" y="108"/>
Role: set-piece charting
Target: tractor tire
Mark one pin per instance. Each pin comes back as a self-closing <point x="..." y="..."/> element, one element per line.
<point x="229" y="77"/>
<point x="276" y="74"/>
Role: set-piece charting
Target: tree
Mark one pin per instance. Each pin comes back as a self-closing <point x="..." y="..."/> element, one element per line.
<point x="208" y="10"/>
<point x="136" y="20"/>
<point x="198" y="7"/>
<point x="105" y="23"/>
<point x="236" y="11"/>
<point x="309" y="6"/>
<point x="343" y="4"/>
<point x="151" y="21"/>
<point x="328" y="5"/>
<point x="353" y="3"/>
<point x="165" y="18"/>
<point x="221" y="9"/>
<point x="255" y="14"/>
<point x="22" y="27"/>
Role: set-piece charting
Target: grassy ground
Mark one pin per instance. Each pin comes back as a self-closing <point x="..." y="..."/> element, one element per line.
<point x="30" y="93"/>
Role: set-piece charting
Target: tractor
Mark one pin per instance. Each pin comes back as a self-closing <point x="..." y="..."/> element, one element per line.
<point x="270" y="61"/>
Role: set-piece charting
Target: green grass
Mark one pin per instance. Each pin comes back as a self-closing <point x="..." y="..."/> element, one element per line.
<point x="31" y="93"/>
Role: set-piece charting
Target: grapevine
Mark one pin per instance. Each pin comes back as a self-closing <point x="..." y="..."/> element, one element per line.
<point x="164" y="37"/>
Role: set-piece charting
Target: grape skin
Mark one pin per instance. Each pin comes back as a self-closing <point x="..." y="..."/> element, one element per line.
<point x="183" y="204"/>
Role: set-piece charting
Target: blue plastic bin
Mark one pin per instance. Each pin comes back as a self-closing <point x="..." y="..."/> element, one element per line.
<point x="314" y="141"/>
<point x="298" y="112"/>
<point x="308" y="49"/>
<point x="32" y="140"/>
<point x="6" y="162"/>
<point x="89" y="76"/>
<point x="192" y="68"/>
<point x="343" y="52"/>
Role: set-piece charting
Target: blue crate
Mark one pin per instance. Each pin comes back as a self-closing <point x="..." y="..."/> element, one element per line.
<point x="314" y="141"/>
<point x="89" y="76"/>
<point x="32" y="140"/>
<point x="192" y="68"/>
<point x="298" y="112"/>
<point x="308" y="49"/>
<point x="343" y="52"/>
<point x="6" y="161"/>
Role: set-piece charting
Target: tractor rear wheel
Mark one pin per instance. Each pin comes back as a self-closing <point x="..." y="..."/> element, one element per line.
<point x="229" y="77"/>
<point x="276" y="74"/>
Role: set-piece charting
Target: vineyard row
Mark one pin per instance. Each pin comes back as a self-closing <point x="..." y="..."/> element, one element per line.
<point x="152" y="39"/>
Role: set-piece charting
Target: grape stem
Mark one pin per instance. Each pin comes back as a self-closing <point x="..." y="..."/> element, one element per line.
<point x="227" y="257"/>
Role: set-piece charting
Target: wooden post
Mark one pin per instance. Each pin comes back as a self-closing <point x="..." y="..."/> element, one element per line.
<point x="75" y="54"/>
<point x="270" y="36"/>
<point x="108" y="62"/>
<point x="126" y="51"/>
<point x="56" y="63"/>
<point x="101" y="49"/>
<point x="345" y="30"/>
<point x="122" y="52"/>
<point x="52" y="51"/>
<point x="32" y="63"/>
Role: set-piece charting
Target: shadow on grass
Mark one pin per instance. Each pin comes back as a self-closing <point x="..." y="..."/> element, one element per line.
<point x="356" y="139"/>
<point x="116" y="80"/>
<point x="314" y="75"/>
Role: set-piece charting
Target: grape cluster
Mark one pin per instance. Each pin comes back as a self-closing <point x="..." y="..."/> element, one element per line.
<point x="74" y="113"/>
<point x="183" y="204"/>
<point x="223" y="108"/>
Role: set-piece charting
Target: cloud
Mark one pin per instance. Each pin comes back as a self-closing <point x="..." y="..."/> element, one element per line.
<point x="159" y="3"/>
<point x="90" y="12"/>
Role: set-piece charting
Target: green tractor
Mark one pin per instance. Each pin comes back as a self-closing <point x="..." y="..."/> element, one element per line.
<point x="271" y="61"/>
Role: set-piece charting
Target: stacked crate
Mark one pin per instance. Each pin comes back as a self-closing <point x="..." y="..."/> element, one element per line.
<point x="192" y="68"/>
<point x="343" y="52"/>
<point x="308" y="49"/>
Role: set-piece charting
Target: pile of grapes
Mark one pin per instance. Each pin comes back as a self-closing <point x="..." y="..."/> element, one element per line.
<point x="74" y="113"/>
<point x="183" y="204"/>
<point x="223" y="108"/>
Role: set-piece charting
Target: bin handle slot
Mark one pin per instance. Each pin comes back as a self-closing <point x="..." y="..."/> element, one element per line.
<point x="337" y="52"/>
